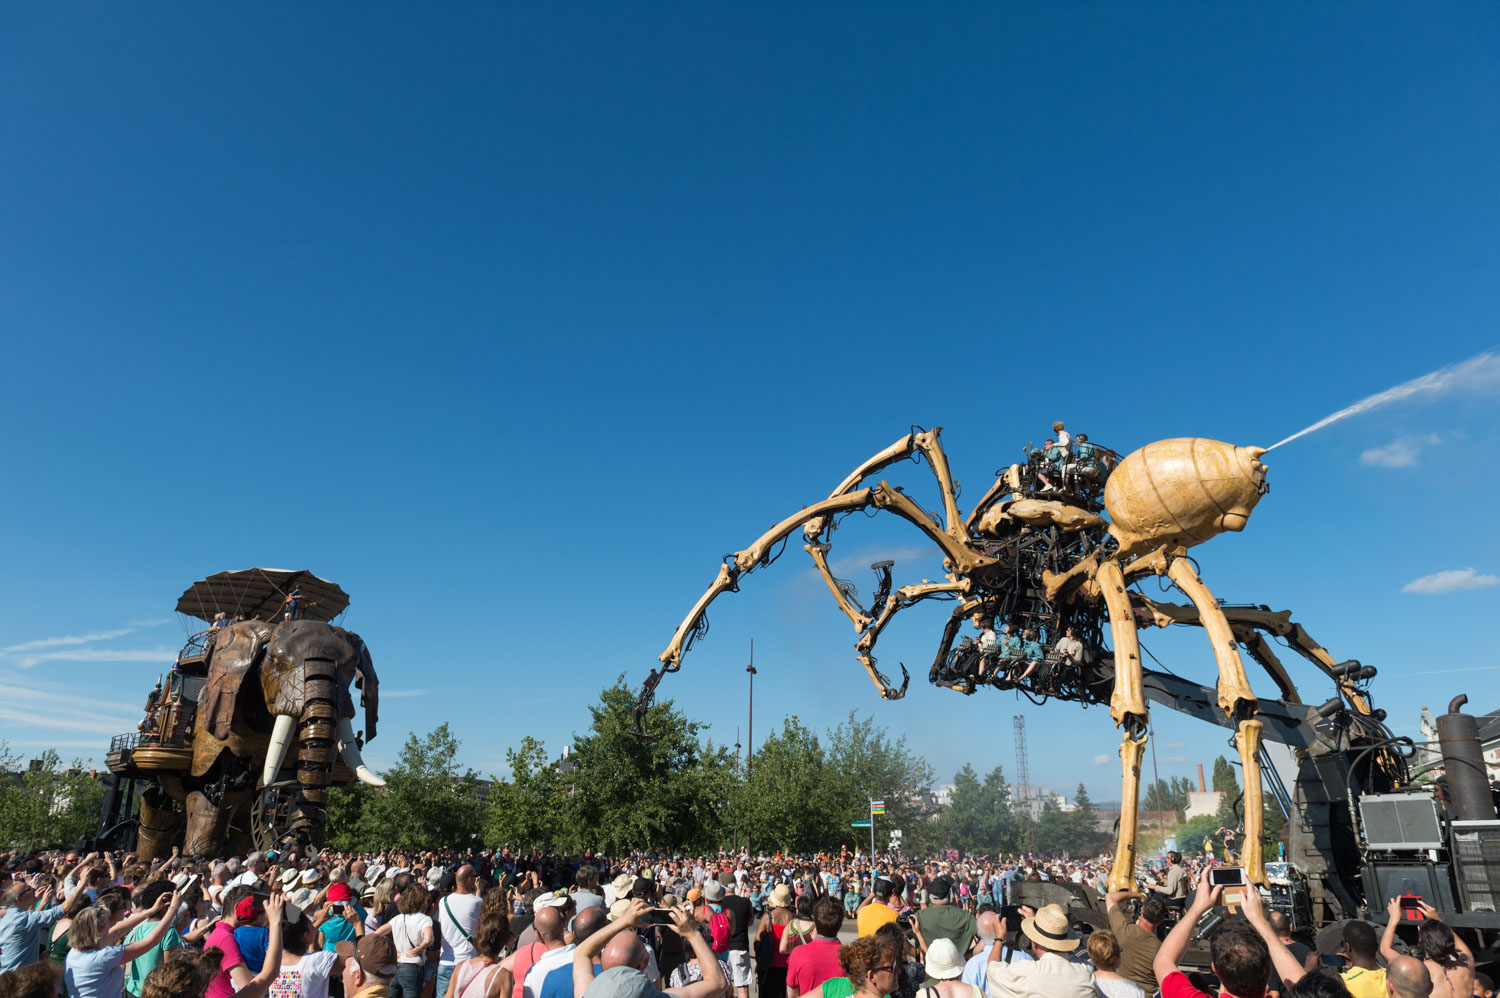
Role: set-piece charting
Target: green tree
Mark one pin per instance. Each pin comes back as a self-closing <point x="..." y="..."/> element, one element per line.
<point x="427" y="803"/>
<point x="1191" y="834"/>
<point x="980" y="817"/>
<point x="771" y="802"/>
<point x="1088" y="820"/>
<point x="1228" y="788"/>
<point x="48" y="806"/>
<point x="662" y="790"/>
<point x="1061" y="833"/>
<point x="533" y="808"/>
<point x="863" y="762"/>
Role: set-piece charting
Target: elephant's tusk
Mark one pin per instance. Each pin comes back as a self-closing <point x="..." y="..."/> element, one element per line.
<point x="281" y="743"/>
<point x="349" y="749"/>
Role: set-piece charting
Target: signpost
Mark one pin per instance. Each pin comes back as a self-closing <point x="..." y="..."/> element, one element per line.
<point x="859" y="824"/>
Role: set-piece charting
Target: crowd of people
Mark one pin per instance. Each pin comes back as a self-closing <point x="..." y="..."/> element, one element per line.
<point x="497" y="924"/>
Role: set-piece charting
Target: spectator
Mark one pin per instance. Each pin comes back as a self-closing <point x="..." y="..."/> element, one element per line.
<point x="1364" y="976"/>
<point x="817" y="961"/>
<point x="991" y="926"/>
<point x="411" y="930"/>
<point x="95" y="966"/>
<point x="38" y="979"/>
<point x="881" y="907"/>
<point x="586" y="884"/>
<point x="256" y="867"/>
<point x="23" y="922"/>
<point x="369" y="966"/>
<point x="945" y="920"/>
<point x="1241" y="952"/>
<point x="870" y="968"/>
<point x="621" y="981"/>
<point x="773" y="928"/>
<point x="944" y="966"/>
<point x="340" y="919"/>
<point x="482" y="976"/>
<point x="909" y="973"/>
<point x="146" y="898"/>
<point x="1483" y="986"/>
<point x="559" y="983"/>
<point x="738" y="952"/>
<point x="1136" y="940"/>
<point x="1049" y="973"/>
<point x="1281" y="926"/>
<point x="1449" y="961"/>
<point x="551" y="925"/>
<point x="1407" y="977"/>
<point x="303" y="974"/>
<point x="1105" y="953"/>
<point x="458" y="917"/>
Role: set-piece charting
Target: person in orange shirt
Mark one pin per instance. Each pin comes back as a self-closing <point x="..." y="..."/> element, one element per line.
<point x="880" y="908"/>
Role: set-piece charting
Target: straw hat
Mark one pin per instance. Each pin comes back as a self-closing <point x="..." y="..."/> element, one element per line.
<point x="622" y="884"/>
<point x="290" y="877"/>
<point x="1049" y="928"/>
<point x="943" y="961"/>
<point x="781" y="897"/>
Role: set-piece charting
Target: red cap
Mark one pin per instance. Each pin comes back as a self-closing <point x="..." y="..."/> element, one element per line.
<point x="247" y="909"/>
<point x="340" y="892"/>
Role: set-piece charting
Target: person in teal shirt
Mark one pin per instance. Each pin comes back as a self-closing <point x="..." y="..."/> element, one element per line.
<point x="135" y="973"/>
<point x="341" y="918"/>
<point x="1032" y="652"/>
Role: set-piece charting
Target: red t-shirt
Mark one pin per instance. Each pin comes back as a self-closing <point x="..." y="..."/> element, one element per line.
<point x="813" y="963"/>
<point x="1177" y="985"/>
<point x="222" y="936"/>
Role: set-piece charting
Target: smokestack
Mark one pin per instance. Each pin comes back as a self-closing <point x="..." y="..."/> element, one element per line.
<point x="1463" y="762"/>
<point x="1202" y="787"/>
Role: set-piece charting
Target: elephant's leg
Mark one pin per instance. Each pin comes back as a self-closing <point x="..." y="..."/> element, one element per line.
<point x="206" y="824"/>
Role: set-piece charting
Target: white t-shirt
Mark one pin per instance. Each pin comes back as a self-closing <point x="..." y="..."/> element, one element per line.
<point x="406" y="933"/>
<point x="464" y="908"/>
<point x="544" y="965"/>
<point x="249" y="878"/>
<point x="307" y="978"/>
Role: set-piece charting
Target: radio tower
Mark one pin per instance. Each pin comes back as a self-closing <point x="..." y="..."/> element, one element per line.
<point x="1023" y="778"/>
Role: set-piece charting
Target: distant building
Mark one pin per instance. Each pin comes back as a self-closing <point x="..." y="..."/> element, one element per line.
<point x="1202" y="802"/>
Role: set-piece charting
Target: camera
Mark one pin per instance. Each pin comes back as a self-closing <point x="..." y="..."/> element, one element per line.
<point x="1226" y="876"/>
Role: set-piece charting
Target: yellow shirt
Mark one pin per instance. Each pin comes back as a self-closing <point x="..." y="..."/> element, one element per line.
<point x="1364" y="983"/>
<point x="872" y="916"/>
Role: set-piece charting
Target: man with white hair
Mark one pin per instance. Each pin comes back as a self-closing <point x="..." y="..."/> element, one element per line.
<point x="255" y="869"/>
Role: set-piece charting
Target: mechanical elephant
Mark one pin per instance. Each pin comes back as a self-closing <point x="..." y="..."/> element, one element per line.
<point x="276" y="691"/>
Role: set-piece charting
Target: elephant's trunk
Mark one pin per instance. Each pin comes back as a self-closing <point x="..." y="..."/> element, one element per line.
<point x="316" y="750"/>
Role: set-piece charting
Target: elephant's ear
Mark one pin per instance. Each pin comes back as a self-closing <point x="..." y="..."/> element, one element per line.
<point x="237" y="649"/>
<point x="368" y="684"/>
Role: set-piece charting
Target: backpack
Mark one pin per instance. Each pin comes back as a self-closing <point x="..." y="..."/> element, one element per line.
<point x="718" y="929"/>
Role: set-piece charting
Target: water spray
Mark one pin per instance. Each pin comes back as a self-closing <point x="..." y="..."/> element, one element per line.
<point x="1476" y="373"/>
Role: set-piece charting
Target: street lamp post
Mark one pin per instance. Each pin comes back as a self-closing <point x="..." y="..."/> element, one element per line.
<point x="750" y="730"/>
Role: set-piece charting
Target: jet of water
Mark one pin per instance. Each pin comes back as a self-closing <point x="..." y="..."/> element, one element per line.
<point x="1475" y="374"/>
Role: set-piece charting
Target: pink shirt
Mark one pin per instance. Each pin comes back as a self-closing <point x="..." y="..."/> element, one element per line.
<point x="222" y="936"/>
<point x="808" y="967"/>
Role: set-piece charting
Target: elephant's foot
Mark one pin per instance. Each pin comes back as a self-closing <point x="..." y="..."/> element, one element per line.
<point x="206" y="824"/>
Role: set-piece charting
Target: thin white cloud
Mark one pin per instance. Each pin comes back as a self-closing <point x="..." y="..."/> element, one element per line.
<point x="161" y="653"/>
<point x="1176" y="745"/>
<point x="152" y="622"/>
<point x="1103" y="759"/>
<point x="71" y="639"/>
<point x="1452" y="581"/>
<point x="1402" y="452"/>
<point x="64" y="701"/>
<point x="398" y="694"/>
<point x="74" y="720"/>
<point x="855" y="564"/>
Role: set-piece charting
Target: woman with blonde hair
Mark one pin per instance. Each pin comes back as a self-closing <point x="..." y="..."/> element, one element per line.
<point x="773" y="925"/>
<point x="1104" y="951"/>
<point x="95" y="965"/>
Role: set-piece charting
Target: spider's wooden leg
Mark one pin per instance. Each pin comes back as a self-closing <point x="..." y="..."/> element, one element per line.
<point x="928" y="443"/>
<point x="1237" y="701"/>
<point x="898" y="600"/>
<point x="1127" y="706"/>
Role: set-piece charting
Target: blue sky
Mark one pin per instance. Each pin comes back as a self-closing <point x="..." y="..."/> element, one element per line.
<point x="513" y="319"/>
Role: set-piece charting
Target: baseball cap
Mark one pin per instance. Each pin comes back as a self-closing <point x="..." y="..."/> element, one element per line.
<point x="376" y="954"/>
<point x="247" y="909"/>
<point x="727" y="879"/>
<point x="340" y="892"/>
<point x="940" y="887"/>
